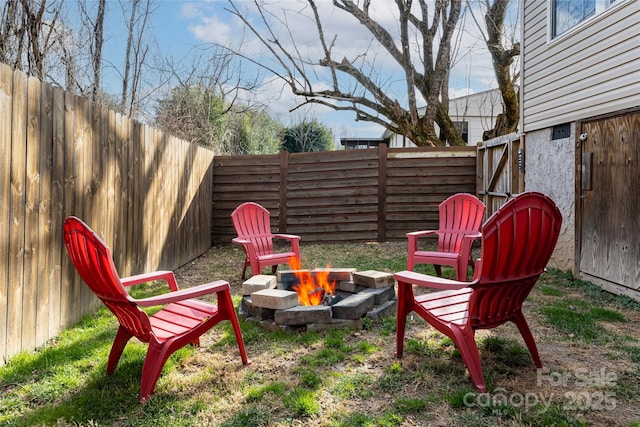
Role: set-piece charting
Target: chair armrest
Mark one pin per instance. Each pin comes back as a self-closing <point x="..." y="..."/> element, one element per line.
<point x="286" y="236"/>
<point x="473" y="236"/>
<point x="239" y="241"/>
<point x="413" y="236"/>
<point x="293" y="239"/>
<point x="422" y="233"/>
<point x="183" y="294"/>
<point x="248" y="246"/>
<point x="167" y="276"/>
<point x="467" y="242"/>
<point x="427" y="281"/>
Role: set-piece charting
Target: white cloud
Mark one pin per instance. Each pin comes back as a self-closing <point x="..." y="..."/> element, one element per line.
<point x="212" y="29"/>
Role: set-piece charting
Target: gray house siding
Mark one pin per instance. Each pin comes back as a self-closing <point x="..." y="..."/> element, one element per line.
<point x="591" y="70"/>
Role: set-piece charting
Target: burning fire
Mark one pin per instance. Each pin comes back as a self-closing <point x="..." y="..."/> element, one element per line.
<point x="311" y="290"/>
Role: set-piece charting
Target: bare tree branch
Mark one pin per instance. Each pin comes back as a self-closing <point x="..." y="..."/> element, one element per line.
<point x="355" y="85"/>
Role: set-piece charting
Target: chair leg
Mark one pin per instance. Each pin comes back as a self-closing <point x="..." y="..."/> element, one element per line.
<point x="225" y="306"/>
<point x="244" y="270"/>
<point x="523" y="327"/>
<point x="157" y="356"/>
<point x="401" y="321"/>
<point x="403" y="307"/>
<point x="255" y="267"/>
<point x="438" y="269"/>
<point x="466" y="344"/>
<point x="122" y="338"/>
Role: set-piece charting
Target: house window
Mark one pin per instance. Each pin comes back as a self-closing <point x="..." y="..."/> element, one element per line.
<point x="566" y="14"/>
<point x="463" y="128"/>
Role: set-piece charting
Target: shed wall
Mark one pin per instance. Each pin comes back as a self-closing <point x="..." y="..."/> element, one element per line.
<point x="550" y="166"/>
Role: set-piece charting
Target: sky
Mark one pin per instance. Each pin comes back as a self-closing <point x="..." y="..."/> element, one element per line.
<point x="182" y="28"/>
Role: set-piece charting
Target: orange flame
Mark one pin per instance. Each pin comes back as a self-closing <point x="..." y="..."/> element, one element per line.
<point x="311" y="290"/>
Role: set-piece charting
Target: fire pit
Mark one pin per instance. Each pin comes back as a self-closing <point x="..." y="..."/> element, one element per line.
<point x="318" y="299"/>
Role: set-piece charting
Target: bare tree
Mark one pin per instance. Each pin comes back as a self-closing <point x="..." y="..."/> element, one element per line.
<point x="35" y="38"/>
<point x="136" y="53"/>
<point x="96" y="49"/>
<point x="92" y="33"/>
<point x="10" y="40"/>
<point x="422" y="54"/>
<point x="26" y="36"/>
<point x="502" y="58"/>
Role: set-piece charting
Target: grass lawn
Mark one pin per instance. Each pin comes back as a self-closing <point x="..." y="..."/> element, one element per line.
<point x="588" y="339"/>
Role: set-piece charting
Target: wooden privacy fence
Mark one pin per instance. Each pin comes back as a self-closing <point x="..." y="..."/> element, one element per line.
<point x="159" y="202"/>
<point x="343" y="196"/>
<point x="148" y="196"/>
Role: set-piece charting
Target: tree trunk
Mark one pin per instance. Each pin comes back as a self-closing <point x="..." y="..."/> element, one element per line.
<point x="96" y="58"/>
<point x="502" y="59"/>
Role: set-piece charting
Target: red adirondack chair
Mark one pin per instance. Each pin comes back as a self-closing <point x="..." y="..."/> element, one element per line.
<point x="253" y="226"/>
<point x="517" y="242"/>
<point x="182" y="320"/>
<point x="460" y="219"/>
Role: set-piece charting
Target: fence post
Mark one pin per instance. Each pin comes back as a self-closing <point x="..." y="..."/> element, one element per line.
<point x="382" y="192"/>
<point x="284" y="168"/>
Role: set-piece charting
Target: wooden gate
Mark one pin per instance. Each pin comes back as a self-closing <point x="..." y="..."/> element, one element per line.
<point x="500" y="170"/>
<point x="608" y="220"/>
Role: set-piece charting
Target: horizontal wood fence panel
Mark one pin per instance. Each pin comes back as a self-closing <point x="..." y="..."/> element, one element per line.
<point x="334" y="218"/>
<point x="315" y="181"/>
<point x="334" y="178"/>
<point x="340" y="196"/>
<point x="265" y="178"/>
<point x="357" y="201"/>
<point x="147" y="195"/>
<point x="251" y="192"/>
<point x="306" y="211"/>
<point x="332" y="196"/>
<point x="237" y="179"/>
<point x="419" y="180"/>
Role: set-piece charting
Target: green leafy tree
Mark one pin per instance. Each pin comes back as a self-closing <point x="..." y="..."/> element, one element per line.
<point x="198" y="115"/>
<point x="192" y="113"/>
<point x="308" y="135"/>
<point x="264" y="132"/>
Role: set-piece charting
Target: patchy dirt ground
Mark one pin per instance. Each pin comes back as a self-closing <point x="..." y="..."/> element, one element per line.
<point x="586" y="380"/>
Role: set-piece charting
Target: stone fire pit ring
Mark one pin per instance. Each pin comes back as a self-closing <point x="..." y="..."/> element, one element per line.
<point x="272" y="302"/>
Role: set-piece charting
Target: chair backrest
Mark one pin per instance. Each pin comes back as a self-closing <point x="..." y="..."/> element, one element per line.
<point x="94" y="263"/>
<point x="253" y="222"/>
<point x="459" y="214"/>
<point x="517" y="243"/>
